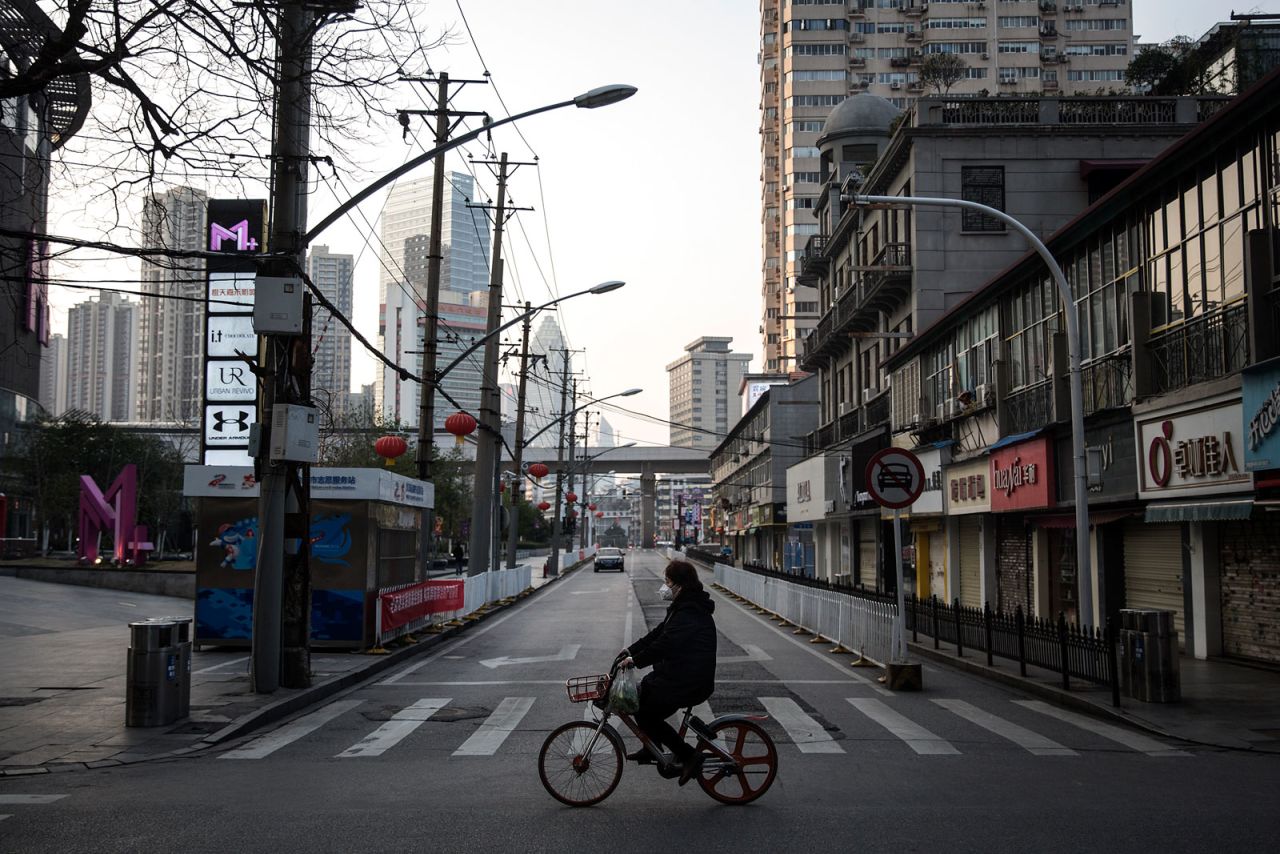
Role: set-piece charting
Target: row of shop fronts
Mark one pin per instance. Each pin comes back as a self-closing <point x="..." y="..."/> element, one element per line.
<point x="1181" y="518"/>
<point x="757" y="534"/>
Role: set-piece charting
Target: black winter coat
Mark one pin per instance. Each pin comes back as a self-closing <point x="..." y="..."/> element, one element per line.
<point x="682" y="650"/>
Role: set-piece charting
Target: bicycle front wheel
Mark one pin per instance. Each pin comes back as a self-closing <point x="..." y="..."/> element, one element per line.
<point x="570" y="774"/>
<point x="755" y="763"/>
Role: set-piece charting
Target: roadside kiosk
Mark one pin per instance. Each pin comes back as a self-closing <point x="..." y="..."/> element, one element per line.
<point x="365" y="525"/>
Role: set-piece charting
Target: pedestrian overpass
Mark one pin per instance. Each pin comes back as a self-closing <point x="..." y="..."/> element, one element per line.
<point x="645" y="462"/>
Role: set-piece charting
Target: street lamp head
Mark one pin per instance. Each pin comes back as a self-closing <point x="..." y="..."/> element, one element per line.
<point x="605" y="287"/>
<point x="602" y="96"/>
<point x="630" y="392"/>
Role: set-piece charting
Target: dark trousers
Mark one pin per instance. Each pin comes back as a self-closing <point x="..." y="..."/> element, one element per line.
<point x="655" y="707"/>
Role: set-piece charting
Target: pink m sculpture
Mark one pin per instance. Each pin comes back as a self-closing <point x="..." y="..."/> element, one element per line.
<point x="116" y="512"/>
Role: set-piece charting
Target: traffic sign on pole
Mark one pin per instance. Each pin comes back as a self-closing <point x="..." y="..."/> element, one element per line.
<point x="895" y="478"/>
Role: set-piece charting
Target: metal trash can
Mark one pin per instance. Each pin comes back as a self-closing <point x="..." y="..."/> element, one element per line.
<point x="182" y="640"/>
<point x="152" y="675"/>
<point x="1148" y="656"/>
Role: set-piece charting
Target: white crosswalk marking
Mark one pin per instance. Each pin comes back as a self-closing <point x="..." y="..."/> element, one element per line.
<point x="29" y="799"/>
<point x="394" y="731"/>
<point x="1030" y="741"/>
<point x="917" y="737"/>
<point x="291" y="732"/>
<point x="1133" y="740"/>
<point x="494" y="731"/>
<point x="807" y="733"/>
<point x="3" y="817"/>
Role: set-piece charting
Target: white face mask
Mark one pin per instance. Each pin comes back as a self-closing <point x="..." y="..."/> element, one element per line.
<point x="667" y="592"/>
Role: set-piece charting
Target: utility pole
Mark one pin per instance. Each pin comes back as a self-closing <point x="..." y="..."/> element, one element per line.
<point x="431" y="301"/>
<point x="513" y="532"/>
<point x="553" y="561"/>
<point x="280" y="651"/>
<point x="489" y="442"/>
<point x="573" y="461"/>
<point x="586" y="484"/>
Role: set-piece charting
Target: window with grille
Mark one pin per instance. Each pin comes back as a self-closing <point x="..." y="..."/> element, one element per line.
<point x="984" y="185"/>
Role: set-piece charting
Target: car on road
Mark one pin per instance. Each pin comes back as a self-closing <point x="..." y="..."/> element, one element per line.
<point x="609" y="558"/>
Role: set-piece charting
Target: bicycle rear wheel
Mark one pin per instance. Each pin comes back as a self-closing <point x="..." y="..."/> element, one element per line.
<point x="755" y="758"/>
<point x="573" y="777"/>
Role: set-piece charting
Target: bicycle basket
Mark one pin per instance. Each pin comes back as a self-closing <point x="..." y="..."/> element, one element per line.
<point x="583" y="688"/>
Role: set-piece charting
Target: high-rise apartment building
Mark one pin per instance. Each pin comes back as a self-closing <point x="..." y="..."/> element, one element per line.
<point x="53" y="376"/>
<point x="815" y="54"/>
<point x="702" y="383"/>
<point x="330" y="339"/>
<point x="170" y="349"/>
<point x="546" y="375"/>
<point x="402" y="289"/>
<point x="100" y="346"/>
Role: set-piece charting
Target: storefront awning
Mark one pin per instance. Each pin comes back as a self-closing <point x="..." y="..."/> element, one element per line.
<point x="1068" y="520"/>
<point x="1014" y="439"/>
<point x="1200" y="511"/>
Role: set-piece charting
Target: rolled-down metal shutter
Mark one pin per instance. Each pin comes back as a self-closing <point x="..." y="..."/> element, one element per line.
<point x="868" y="557"/>
<point x="1153" y="570"/>
<point x="1250" y="590"/>
<point x="970" y="562"/>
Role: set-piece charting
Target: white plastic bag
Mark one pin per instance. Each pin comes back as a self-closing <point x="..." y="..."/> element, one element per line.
<point x="624" y="692"/>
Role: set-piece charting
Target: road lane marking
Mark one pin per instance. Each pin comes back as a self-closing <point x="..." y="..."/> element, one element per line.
<point x="391" y="733"/>
<point x="271" y="742"/>
<point x="754" y="653"/>
<point x="807" y="733"/>
<point x="218" y="666"/>
<point x="3" y="817"/>
<point x="568" y="652"/>
<point x="917" y="737"/>
<point x="465" y="639"/>
<point x="1030" y="741"/>
<point x="494" y="731"/>
<point x="1132" y="740"/>
<point x="28" y="800"/>
<point x="832" y="662"/>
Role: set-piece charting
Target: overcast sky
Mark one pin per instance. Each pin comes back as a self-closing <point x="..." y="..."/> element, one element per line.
<point x="661" y="190"/>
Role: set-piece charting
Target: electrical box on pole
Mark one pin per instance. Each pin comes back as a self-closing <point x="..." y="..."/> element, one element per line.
<point x="277" y="305"/>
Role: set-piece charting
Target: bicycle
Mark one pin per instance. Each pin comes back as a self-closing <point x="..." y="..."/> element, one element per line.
<point x="581" y="762"/>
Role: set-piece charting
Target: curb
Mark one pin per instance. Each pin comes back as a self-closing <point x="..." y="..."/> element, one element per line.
<point x="273" y="712"/>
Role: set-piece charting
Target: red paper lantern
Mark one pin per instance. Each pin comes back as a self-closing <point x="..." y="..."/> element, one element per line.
<point x="591" y="507"/>
<point x="539" y="469"/>
<point x="544" y="506"/>
<point x="599" y="514"/>
<point x="571" y="497"/>
<point x="390" y="447"/>
<point x="460" y="424"/>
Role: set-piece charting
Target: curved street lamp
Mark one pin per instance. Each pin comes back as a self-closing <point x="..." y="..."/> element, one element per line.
<point x="628" y="393"/>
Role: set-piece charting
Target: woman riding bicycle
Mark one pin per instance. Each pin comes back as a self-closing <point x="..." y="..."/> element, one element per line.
<point x="682" y="650"/>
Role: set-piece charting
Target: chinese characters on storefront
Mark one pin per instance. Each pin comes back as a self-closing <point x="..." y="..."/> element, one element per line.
<point x="1192" y="451"/>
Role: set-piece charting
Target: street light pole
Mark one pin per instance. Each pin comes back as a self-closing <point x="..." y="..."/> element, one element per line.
<point x="553" y="560"/>
<point x="1084" y="562"/>
<point x="513" y="529"/>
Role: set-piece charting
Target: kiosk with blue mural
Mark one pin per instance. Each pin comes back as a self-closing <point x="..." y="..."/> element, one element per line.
<point x="364" y="531"/>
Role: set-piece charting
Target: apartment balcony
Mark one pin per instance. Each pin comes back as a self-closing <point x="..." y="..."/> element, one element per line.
<point x="1030" y="407"/>
<point x="1048" y="33"/>
<point x="900" y="62"/>
<point x="1053" y="110"/>
<point x="915" y="11"/>
<point x="814" y="261"/>
<point x="1200" y="349"/>
<point x="915" y="86"/>
<point x="1049" y="84"/>
<point x="1048" y="8"/>
<point x="857" y="62"/>
<point x="881" y="285"/>
<point x="915" y="36"/>
<point x="1108" y="382"/>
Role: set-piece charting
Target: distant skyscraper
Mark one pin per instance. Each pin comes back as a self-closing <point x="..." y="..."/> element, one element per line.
<point x="605" y="436"/>
<point x="542" y="392"/>
<point x="406" y="223"/>
<point x="702" y="382"/>
<point x="170" y="338"/>
<point x="99" y="359"/>
<point x="53" y="376"/>
<point x="330" y="339"/>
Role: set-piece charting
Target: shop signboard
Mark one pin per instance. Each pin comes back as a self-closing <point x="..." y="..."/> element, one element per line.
<point x="1113" y="463"/>
<point x="1261" y="428"/>
<point x="930" y="500"/>
<point x="966" y="487"/>
<point x="357" y="484"/>
<point x="1022" y="476"/>
<point x="1192" y="450"/>
<point x="807" y="489"/>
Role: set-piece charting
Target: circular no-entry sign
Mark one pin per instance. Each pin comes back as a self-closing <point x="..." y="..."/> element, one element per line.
<point x="895" y="478"/>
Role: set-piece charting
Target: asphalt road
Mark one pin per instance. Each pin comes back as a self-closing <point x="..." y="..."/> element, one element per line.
<point x="440" y="755"/>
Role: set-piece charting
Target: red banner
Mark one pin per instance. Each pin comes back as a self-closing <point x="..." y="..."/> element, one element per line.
<point x="407" y="604"/>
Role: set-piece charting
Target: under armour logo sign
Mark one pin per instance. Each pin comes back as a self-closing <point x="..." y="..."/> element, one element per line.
<point x="241" y="421"/>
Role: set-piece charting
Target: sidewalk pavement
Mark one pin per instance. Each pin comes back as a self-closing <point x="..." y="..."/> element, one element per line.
<point x="62" y="689"/>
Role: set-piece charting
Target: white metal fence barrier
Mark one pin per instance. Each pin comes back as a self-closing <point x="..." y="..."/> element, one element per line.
<point x="859" y="624"/>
